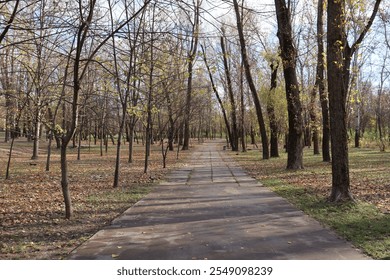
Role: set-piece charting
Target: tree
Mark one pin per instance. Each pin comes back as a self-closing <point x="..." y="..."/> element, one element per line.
<point x="123" y="91"/>
<point x="234" y="132"/>
<point x="319" y="86"/>
<point x="191" y="56"/>
<point x="215" y="90"/>
<point x="320" y="82"/>
<point x="252" y="87"/>
<point x="80" y="66"/>
<point x="339" y="56"/>
<point x="289" y="55"/>
<point x="10" y="20"/>
<point x="274" y="128"/>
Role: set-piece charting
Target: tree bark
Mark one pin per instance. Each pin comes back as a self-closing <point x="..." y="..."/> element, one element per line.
<point x="191" y="59"/>
<point x="289" y="56"/>
<point x="234" y="137"/>
<point x="65" y="183"/>
<point x="10" y="21"/>
<point x="320" y="87"/>
<point x="225" y="118"/>
<point x="339" y="61"/>
<point x="271" y="112"/>
<point x="242" y="106"/>
<point x="252" y="87"/>
<point x="337" y="85"/>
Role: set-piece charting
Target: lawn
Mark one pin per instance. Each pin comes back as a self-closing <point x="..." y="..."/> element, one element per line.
<point x="365" y="223"/>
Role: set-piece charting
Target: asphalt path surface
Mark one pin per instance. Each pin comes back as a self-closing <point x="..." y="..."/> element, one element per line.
<point x="211" y="209"/>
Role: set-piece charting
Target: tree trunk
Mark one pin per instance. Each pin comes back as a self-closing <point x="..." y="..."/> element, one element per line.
<point x="271" y="112"/>
<point x="339" y="61"/>
<point x="338" y="85"/>
<point x="234" y="139"/>
<point x="37" y="126"/>
<point x="64" y="181"/>
<point x="191" y="59"/>
<point x="252" y="87"/>
<point x="288" y="54"/>
<point x="49" y="151"/>
<point x="319" y="84"/>
<point x="131" y="140"/>
<point x="148" y="133"/>
<point x="225" y="118"/>
<point x="9" y="158"/>
<point x="242" y="106"/>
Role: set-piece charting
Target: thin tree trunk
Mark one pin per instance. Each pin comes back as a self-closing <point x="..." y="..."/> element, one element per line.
<point x="320" y="87"/>
<point x="9" y="158"/>
<point x="234" y="139"/>
<point x="225" y="118"/>
<point x="79" y="142"/>
<point x="191" y="59"/>
<point x="271" y="112"/>
<point x="37" y="127"/>
<point x="148" y="136"/>
<point x="64" y="182"/>
<point x="242" y="106"/>
<point x="252" y="87"/>
<point x="49" y="151"/>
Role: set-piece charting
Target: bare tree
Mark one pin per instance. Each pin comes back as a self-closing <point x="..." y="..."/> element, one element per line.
<point x="234" y="132"/>
<point x="191" y="56"/>
<point x="10" y="20"/>
<point x="249" y="78"/>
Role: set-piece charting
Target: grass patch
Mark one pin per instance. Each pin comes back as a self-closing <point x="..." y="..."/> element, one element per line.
<point x="365" y="223"/>
<point x="360" y="223"/>
<point x="114" y="196"/>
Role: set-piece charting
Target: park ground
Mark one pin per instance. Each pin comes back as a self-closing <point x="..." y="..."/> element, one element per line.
<point x="32" y="220"/>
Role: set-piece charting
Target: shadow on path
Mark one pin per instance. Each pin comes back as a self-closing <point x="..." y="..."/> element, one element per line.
<point x="211" y="209"/>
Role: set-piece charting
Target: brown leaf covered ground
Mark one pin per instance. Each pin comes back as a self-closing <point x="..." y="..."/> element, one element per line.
<point x="32" y="214"/>
<point x="369" y="173"/>
<point x="32" y="211"/>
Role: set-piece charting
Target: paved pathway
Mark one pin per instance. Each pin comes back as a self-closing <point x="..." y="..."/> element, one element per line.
<point x="212" y="209"/>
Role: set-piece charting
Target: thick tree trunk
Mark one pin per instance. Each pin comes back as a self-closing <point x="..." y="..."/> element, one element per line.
<point x="325" y="125"/>
<point x="288" y="54"/>
<point x="339" y="62"/>
<point x="338" y="78"/>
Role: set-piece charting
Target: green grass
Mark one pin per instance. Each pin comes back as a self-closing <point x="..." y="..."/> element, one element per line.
<point x="361" y="222"/>
<point x="113" y="196"/>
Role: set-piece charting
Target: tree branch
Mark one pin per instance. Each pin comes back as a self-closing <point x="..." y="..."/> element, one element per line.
<point x="355" y="45"/>
<point x="11" y="19"/>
